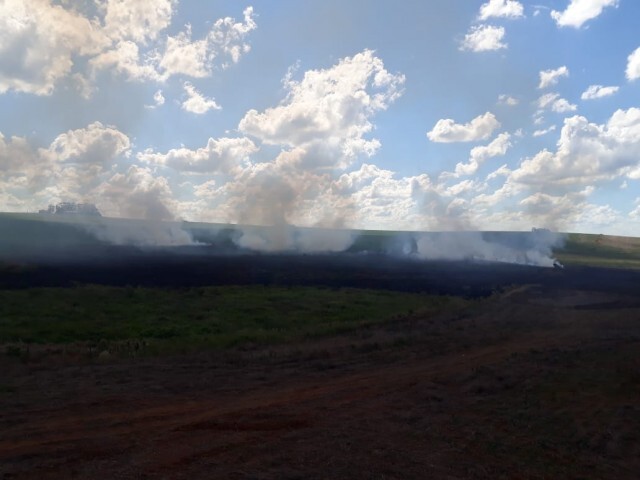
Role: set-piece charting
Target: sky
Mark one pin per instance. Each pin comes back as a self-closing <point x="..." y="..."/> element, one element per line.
<point x="412" y="115"/>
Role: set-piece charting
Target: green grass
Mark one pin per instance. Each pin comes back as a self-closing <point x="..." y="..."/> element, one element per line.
<point x="206" y="316"/>
<point x="600" y="250"/>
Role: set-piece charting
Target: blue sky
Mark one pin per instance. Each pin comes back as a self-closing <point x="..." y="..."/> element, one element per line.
<point x="447" y="114"/>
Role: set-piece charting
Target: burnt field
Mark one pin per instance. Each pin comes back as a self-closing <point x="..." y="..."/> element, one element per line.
<point x="200" y="266"/>
<point x="184" y="362"/>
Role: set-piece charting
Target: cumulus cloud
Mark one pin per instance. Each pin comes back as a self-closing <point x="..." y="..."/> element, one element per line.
<point x="181" y="56"/>
<point x="562" y="105"/>
<point x="223" y="155"/>
<point x="555" y="210"/>
<point x="586" y="153"/>
<point x="185" y="56"/>
<point x="96" y="144"/>
<point x="508" y="100"/>
<point x="635" y="213"/>
<point x="84" y="165"/>
<point x="483" y="38"/>
<point x="196" y="58"/>
<point x="554" y="102"/>
<point x="326" y="115"/>
<point x="633" y="65"/>
<point x="39" y="42"/>
<point x="228" y="36"/>
<point x="22" y="167"/>
<point x="80" y="159"/>
<point x="76" y="166"/>
<point x="480" y="154"/>
<point x="501" y="8"/>
<point x="125" y="59"/>
<point x="196" y="102"/>
<point x="137" y="21"/>
<point x="541" y="132"/>
<point x="480" y="128"/>
<point x="598" y="91"/>
<point x="158" y="100"/>
<point x="43" y="42"/>
<point x="321" y="127"/>
<point x="580" y="11"/>
<point x="385" y="201"/>
<point x="549" y="78"/>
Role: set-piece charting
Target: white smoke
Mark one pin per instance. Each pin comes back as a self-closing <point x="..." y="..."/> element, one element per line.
<point x="286" y="238"/>
<point x="140" y="233"/>
<point x="535" y="248"/>
<point x="322" y="240"/>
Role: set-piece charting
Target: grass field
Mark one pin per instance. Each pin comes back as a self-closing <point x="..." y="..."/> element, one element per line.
<point x="600" y="250"/>
<point x="188" y="319"/>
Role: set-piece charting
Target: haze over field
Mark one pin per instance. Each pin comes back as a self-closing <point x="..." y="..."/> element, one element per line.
<point x="440" y="115"/>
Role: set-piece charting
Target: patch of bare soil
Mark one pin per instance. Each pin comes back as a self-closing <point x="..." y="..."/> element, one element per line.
<point x="511" y="387"/>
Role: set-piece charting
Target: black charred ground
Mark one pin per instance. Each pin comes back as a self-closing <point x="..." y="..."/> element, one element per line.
<point x="199" y="266"/>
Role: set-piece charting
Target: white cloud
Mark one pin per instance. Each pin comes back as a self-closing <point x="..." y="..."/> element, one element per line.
<point x="20" y="163"/>
<point x="580" y="11"/>
<point x="635" y="213"/>
<point x="78" y="166"/>
<point x="385" y="201"/>
<point x="223" y="155"/>
<point x="567" y="210"/>
<point x="562" y="105"/>
<point x="480" y="128"/>
<point x="227" y="35"/>
<point x="196" y="102"/>
<point x="559" y="211"/>
<point x="501" y="8"/>
<point x="186" y="57"/>
<point x="462" y="187"/>
<point x="587" y="153"/>
<point x="549" y="78"/>
<point x="125" y="59"/>
<point x="539" y="133"/>
<point x="633" y="65"/>
<point x="598" y="91"/>
<point x="82" y="85"/>
<point x="158" y="99"/>
<point x="327" y="113"/>
<point x="553" y="102"/>
<point x="322" y="127"/>
<point x="502" y="171"/>
<point x="226" y="40"/>
<point x="39" y="43"/>
<point x="96" y="144"/>
<point x="483" y="38"/>
<point x="137" y="21"/>
<point x="68" y="169"/>
<point x="43" y="42"/>
<point x="508" y="100"/>
<point x="538" y="118"/>
<point x="480" y="154"/>
<point x="546" y="100"/>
